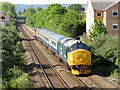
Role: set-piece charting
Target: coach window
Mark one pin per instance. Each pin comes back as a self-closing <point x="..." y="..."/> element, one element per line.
<point x="53" y="43"/>
<point x="46" y="38"/>
<point x="41" y="35"/>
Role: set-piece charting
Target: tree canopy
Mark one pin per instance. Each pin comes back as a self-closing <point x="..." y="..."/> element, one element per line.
<point x="76" y="7"/>
<point x="29" y="13"/>
<point x="97" y="29"/>
<point x="60" y="20"/>
<point x="39" y="8"/>
<point x="9" y="9"/>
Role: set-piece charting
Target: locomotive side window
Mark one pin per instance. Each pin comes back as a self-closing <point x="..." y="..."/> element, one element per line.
<point x="79" y="46"/>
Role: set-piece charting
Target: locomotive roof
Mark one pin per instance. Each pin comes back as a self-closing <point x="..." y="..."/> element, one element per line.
<point x="69" y="41"/>
<point x="52" y="35"/>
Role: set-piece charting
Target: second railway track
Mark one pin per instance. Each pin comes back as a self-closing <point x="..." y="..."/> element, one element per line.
<point x="53" y="78"/>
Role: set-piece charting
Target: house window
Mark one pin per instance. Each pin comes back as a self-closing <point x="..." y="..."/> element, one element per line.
<point x="115" y="26"/>
<point x="115" y="13"/>
<point x="99" y="14"/>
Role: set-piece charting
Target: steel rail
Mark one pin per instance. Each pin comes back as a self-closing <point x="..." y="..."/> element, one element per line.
<point x="40" y="65"/>
<point x="82" y="82"/>
<point x="53" y="69"/>
<point x="96" y="83"/>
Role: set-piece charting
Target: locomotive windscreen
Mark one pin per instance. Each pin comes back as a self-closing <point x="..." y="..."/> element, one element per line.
<point x="79" y="46"/>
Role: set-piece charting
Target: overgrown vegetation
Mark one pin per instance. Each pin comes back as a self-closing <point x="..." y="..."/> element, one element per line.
<point x="13" y="75"/>
<point x="12" y="59"/>
<point x="104" y="53"/>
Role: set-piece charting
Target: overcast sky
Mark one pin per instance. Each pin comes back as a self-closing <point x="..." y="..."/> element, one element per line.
<point x="46" y="1"/>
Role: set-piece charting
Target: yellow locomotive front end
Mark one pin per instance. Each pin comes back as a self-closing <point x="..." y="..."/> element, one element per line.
<point x="79" y="59"/>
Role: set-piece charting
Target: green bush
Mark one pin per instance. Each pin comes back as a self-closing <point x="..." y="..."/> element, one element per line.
<point x="20" y="82"/>
<point x="97" y="29"/>
<point x="12" y="59"/>
<point x="14" y="72"/>
<point x="105" y="46"/>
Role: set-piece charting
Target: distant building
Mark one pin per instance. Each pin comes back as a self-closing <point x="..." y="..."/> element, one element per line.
<point x="7" y="18"/>
<point x="3" y="18"/>
<point x="107" y="11"/>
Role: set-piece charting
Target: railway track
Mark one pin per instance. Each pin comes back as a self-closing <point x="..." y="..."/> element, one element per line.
<point x="89" y="79"/>
<point x="90" y="82"/>
<point x="51" y="75"/>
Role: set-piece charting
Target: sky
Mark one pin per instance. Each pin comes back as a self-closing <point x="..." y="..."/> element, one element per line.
<point x="46" y="1"/>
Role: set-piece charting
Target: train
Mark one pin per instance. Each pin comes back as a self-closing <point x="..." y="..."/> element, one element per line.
<point x="74" y="53"/>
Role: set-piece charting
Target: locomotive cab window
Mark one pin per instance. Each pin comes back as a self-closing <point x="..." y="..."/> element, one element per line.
<point x="79" y="46"/>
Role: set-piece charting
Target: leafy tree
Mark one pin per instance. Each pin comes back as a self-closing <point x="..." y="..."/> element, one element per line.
<point x="105" y="46"/>
<point x="97" y="29"/>
<point x="9" y="9"/>
<point x="70" y="24"/>
<point x="59" y="19"/>
<point x="53" y="16"/>
<point x="39" y="8"/>
<point x="39" y="18"/>
<point x="29" y="13"/>
<point x="19" y="13"/>
<point x="76" y="7"/>
<point x="12" y="59"/>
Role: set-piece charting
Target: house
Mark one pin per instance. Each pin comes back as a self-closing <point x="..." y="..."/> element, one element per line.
<point x="3" y="18"/>
<point x="107" y="11"/>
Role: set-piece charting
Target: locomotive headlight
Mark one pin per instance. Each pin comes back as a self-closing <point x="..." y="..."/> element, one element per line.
<point x="84" y="55"/>
<point x="77" y="56"/>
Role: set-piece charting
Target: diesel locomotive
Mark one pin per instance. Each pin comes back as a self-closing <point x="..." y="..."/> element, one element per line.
<point x="76" y="54"/>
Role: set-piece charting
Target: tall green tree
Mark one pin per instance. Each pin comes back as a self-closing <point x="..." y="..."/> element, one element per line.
<point x="19" y="13"/>
<point x="39" y="18"/>
<point x="60" y="20"/>
<point x="97" y="29"/>
<point x="70" y="24"/>
<point x="39" y="8"/>
<point x="9" y="9"/>
<point x="77" y="7"/>
<point x="29" y="14"/>
<point x="30" y="11"/>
